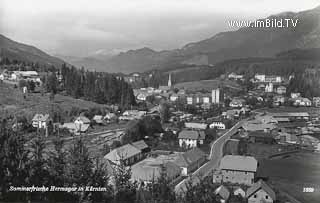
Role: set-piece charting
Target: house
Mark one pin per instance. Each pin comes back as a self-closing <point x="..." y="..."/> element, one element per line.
<point x="260" y="77"/>
<point x="222" y="194"/>
<point x="142" y="96"/>
<point x="190" y="160"/>
<point x="231" y="114"/>
<point x="278" y="100"/>
<point x="75" y="128"/>
<point x="151" y="169"/>
<point x="128" y="154"/>
<point x="191" y="138"/>
<point x="132" y="115"/>
<point x="235" y="76"/>
<point x="82" y="123"/>
<point x="261" y="137"/>
<point x="281" y="90"/>
<point x="174" y="97"/>
<point x="294" y="95"/>
<point x="260" y="192"/>
<point x="218" y="124"/>
<point x="40" y="121"/>
<point x="98" y="119"/>
<point x="189" y="100"/>
<point x="82" y="120"/>
<point x="316" y="101"/>
<point x="142" y="146"/>
<point x="238" y="191"/>
<point x="269" y="87"/>
<point x="284" y="137"/>
<point x="196" y="126"/>
<point x="110" y="117"/>
<point x="273" y="79"/>
<point x="266" y="119"/>
<point x="237" y="169"/>
<point x="301" y="101"/>
<point x="237" y="103"/>
<point x="293" y="116"/>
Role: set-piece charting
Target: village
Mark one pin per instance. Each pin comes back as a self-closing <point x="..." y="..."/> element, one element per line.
<point x="216" y="134"/>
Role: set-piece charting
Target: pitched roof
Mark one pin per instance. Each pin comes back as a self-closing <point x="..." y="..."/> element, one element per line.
<point x="223" y="192"/>
<point x="83" y="119"/>
<point x="190" y="157"/>
<point x="239" y="163"/>
<point x="148" y="170"/>
<point x="248" y="126"/>
<point x="75" y="127"/>
<point x="140" y="145"/>
<point x="260" y="185"/>
<point x="202" y="126"/>
<point x="40" y="117"/>
<point x="123" y="152"/>
<point x="189" y="134"/>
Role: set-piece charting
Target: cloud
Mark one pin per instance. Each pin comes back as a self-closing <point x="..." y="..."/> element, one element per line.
<point x="80" y="27"/>
<point x="195" y="27"/>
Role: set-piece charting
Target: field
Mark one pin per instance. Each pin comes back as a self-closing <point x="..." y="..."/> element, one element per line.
<point x="293" y="173"/>
<point x="12" y="102"/>
<point x="207" y="85"/>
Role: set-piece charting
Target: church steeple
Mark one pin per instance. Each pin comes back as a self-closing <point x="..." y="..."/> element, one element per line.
<point x="169" y="81"/>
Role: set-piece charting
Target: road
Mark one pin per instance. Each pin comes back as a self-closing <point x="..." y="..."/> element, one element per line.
<point x="215" y="156"/>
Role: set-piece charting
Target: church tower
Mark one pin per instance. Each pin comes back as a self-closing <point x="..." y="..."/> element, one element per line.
<point x="169" y="81"/>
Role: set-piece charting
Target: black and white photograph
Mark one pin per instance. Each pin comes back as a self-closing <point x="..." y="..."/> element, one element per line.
<point x="159" y="101"/>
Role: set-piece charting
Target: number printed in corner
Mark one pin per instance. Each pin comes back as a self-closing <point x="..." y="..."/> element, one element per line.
<point x="308" y="189"/>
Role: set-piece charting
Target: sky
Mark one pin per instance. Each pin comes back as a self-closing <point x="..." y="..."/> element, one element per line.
<point x="90" y="27"/>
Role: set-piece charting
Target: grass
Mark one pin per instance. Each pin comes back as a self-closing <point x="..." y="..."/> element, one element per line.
<point x="12" y="102"/>
<point x="293" y="173"/>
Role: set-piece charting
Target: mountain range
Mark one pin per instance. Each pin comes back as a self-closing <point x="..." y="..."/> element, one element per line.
<point x="242" y="43"/>
<point x="22" y="52"/>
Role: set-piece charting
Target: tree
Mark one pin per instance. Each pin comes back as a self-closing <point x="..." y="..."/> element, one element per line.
<point x="79" y="168"/>
<point x="57" y="169"/>
<point x="13" y="163"/>
<point x="124" y="188"/>
<point x="164" y="112"/>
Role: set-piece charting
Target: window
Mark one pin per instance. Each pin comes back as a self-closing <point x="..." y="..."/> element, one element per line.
<point x="254" y="196"/>
<point x="267" y="197"/>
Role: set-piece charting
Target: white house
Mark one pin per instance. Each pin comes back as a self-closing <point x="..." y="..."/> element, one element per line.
<point x="269" y="87"/>
<point x="174" y="97"/>
<point x="237" y="103"/>
<point x="40" y="121"/>
<point x="301" y="101"/>
<point x="260" y="77"/>
<point x="218" y="124"/>
<point x="295" y="95"/>
<point x="191" y="138"/>
<point x="235" y="76"/>
<point x="189" y="100"/>
<point x="260" y="192"/>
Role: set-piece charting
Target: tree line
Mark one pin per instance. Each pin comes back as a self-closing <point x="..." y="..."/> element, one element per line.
<point x="99" y="87"/>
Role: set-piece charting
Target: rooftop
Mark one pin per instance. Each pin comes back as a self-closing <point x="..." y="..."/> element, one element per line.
<point x="239" y="163"/>
<point x="260" y="185"/>
<point x="190" y="157"/>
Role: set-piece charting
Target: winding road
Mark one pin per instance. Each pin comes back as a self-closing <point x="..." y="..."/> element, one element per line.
<point x="215" y="156"/>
